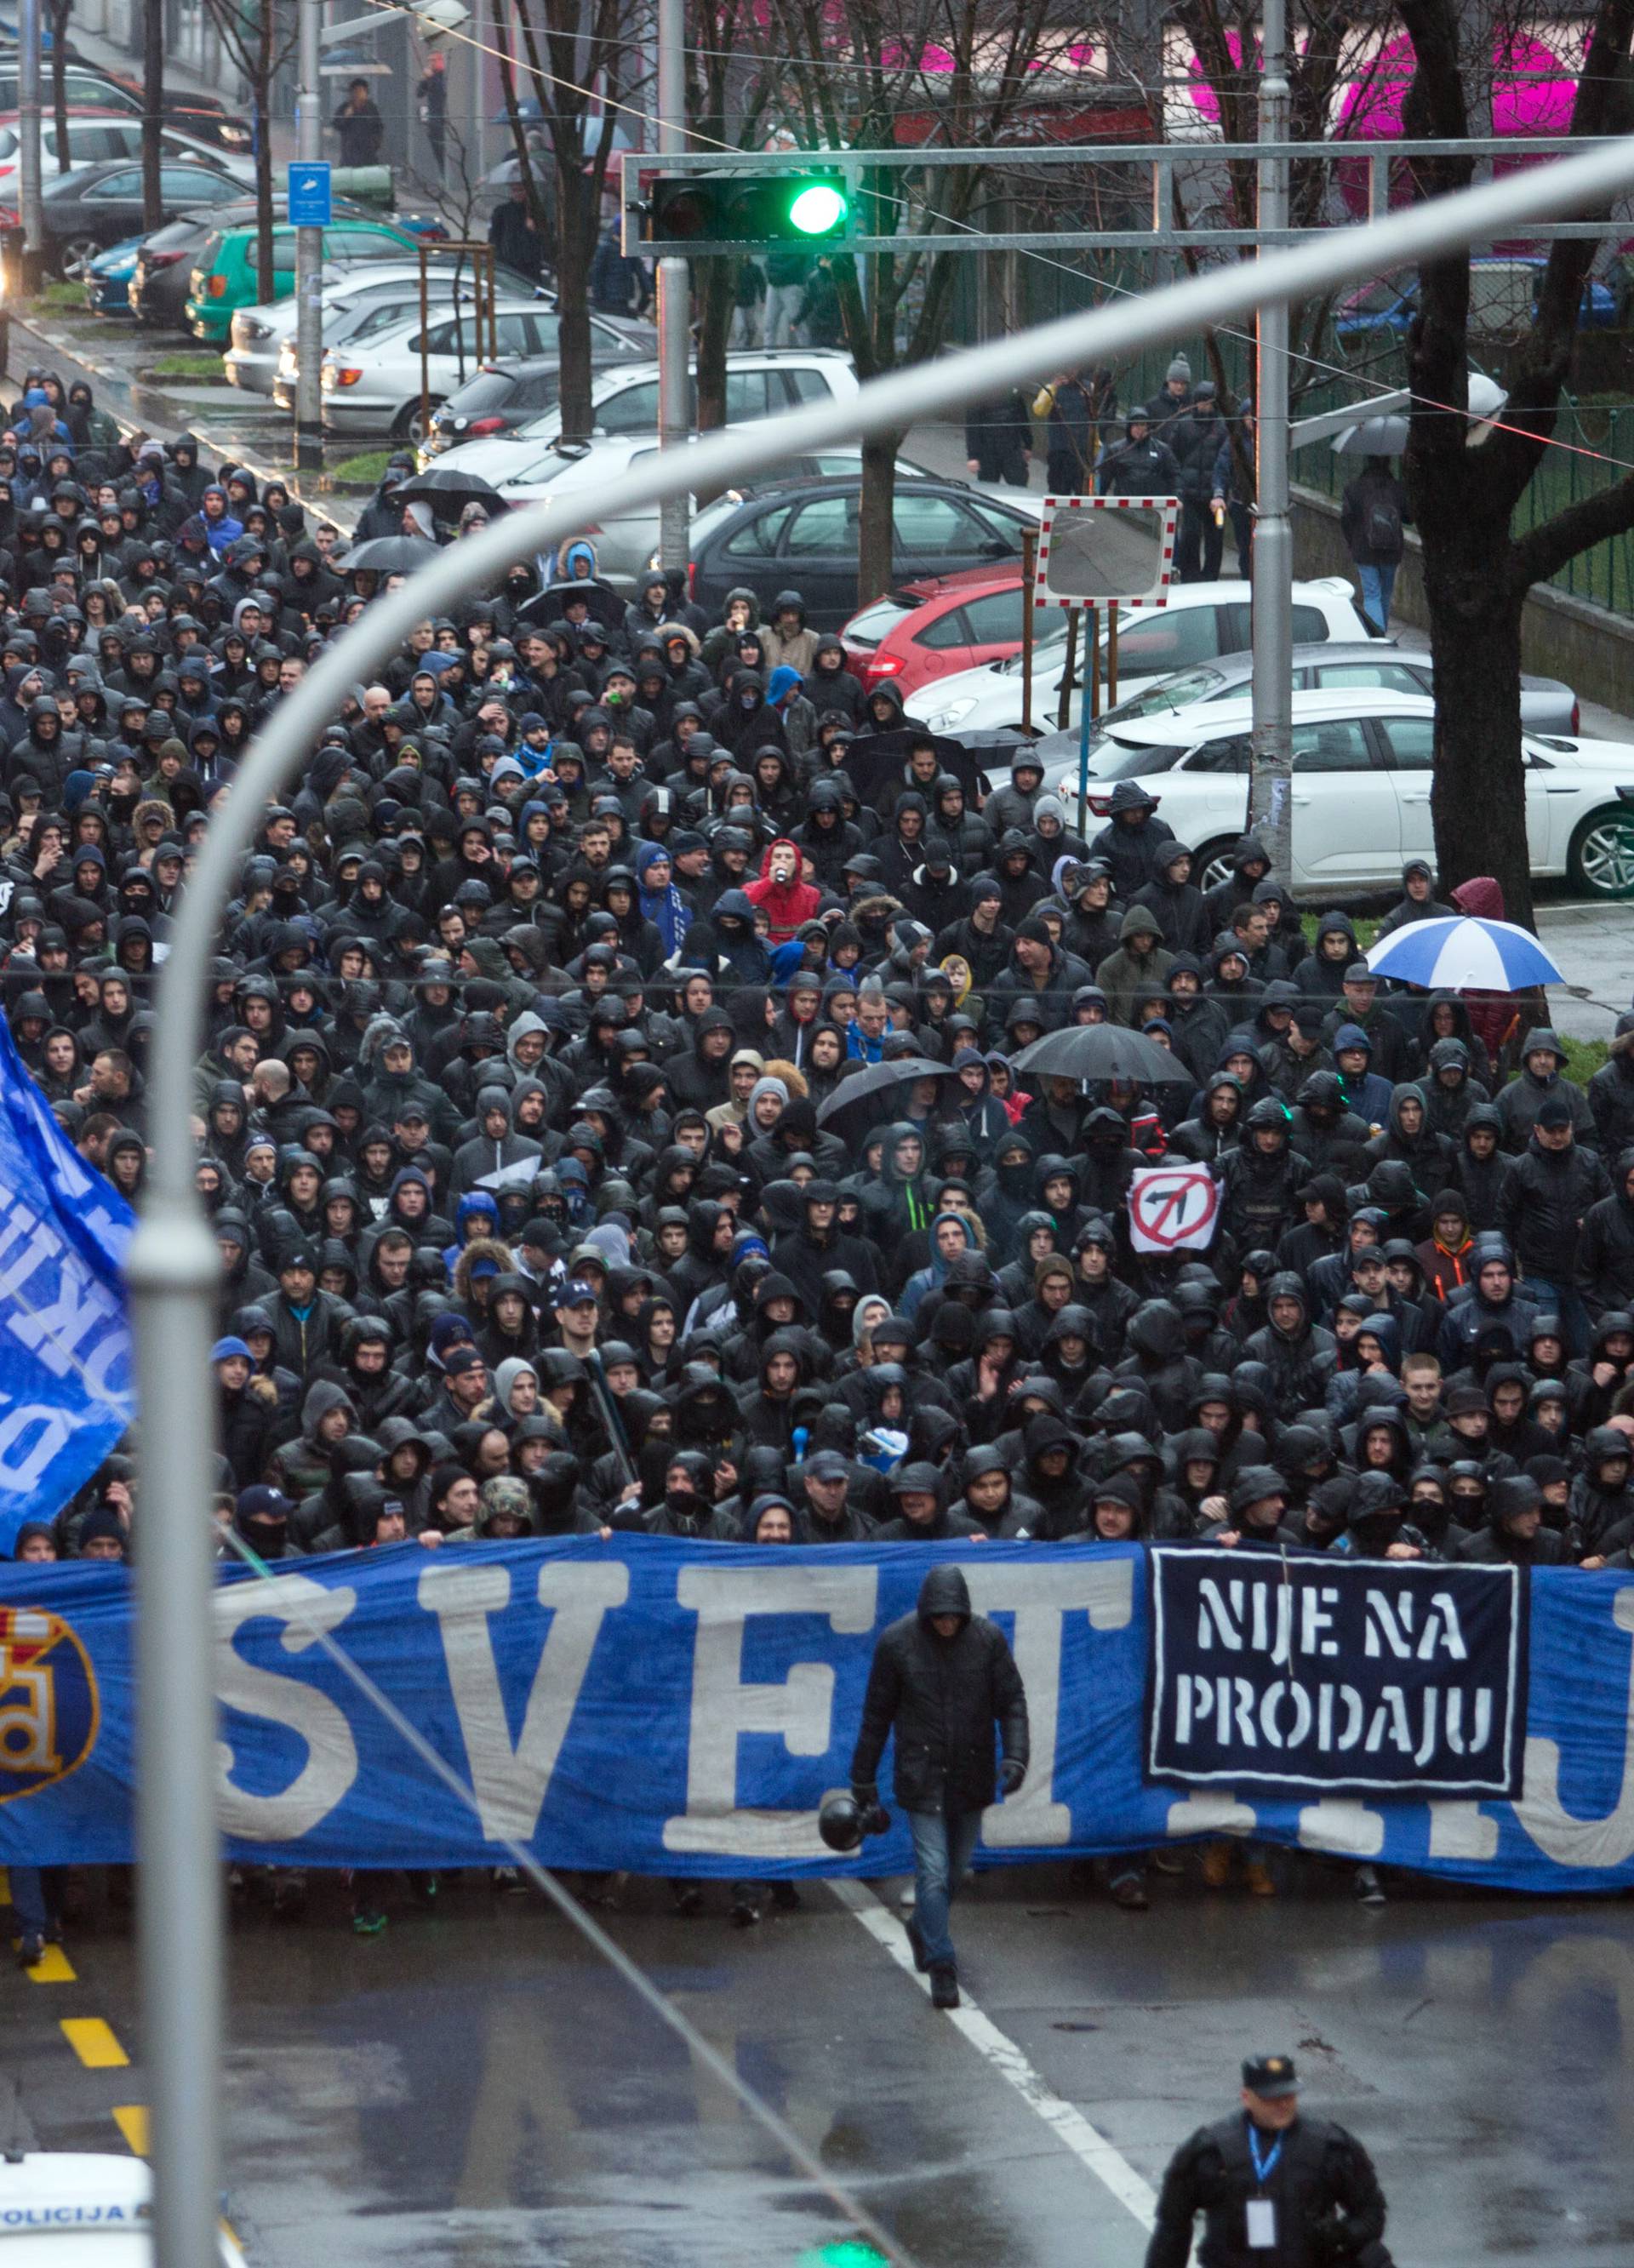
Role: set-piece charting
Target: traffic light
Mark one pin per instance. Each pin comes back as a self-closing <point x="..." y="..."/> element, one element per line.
<point x="747" y="208"/>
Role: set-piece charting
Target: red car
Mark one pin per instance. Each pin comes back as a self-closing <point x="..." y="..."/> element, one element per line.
<point x="930" y="629"/>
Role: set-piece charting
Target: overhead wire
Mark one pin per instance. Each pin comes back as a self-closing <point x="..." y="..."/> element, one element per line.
<point x="1121" y="291"/>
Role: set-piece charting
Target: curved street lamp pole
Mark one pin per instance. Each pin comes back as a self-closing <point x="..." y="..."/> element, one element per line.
<point x="173" y="1268"/>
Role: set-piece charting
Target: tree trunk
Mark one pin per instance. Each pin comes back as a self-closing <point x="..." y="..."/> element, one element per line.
<point x="875" y="511"/>
<point x="575" y="242"/>
<point x="263" y="161"/>
<point x="152" y="113"/>
<point x="714" y="279"/>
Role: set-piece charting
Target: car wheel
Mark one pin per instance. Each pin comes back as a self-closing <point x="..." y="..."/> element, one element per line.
<point x="408" y="426"/>
<point x="1600" y="861"/>
<point x="74" y="256"/>
<point x="1211" y="863"/>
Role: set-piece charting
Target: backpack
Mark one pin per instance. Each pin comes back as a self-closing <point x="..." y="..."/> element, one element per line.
<point x="1381" y="527"/>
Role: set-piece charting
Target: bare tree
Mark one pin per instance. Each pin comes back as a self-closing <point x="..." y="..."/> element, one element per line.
<point x="152" y="113"/>
<point x="261" y="41"/>
<point x="576" y="62"/>
<point x="1478" y="570"/>
<point x="56" y="23"/>
<point x="852" y="70"/>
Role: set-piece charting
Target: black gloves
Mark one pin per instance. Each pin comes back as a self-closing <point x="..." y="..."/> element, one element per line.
<point x="1011" y="1775"/>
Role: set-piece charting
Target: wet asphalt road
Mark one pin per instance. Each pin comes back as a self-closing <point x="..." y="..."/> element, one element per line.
<point x="473" y="2088"/>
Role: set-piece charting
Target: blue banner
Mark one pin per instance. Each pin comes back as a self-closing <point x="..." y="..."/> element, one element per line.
<point x="1283" y="1672"/>
<point x="66" y="1385"/>
<point x="683" y="1709"/>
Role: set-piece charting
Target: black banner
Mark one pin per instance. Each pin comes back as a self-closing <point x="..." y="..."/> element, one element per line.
<point x="1287" y="1671"/>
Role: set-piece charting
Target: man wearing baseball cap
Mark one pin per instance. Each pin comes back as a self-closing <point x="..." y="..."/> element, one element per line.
<point x="1275" y="2190"/>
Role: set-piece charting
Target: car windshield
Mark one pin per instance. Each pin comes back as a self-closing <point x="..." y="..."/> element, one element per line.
<point x="1116" y="759"/>
<point x="1169" y="693"/>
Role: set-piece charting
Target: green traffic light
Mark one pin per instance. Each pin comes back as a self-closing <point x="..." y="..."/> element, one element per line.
<point x="817" y="209"/>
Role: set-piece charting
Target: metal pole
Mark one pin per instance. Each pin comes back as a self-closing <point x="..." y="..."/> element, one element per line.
<point x="1270" y="807"/>
<point x="1064" y="713"/>
<point x="1112" y="656"/>
<point x="1029" y="567"/>
<point x="28" y="126"/>
<point x="309" y="250"/>
<point x="675" y="290"/>
<point x="174" y="1292"/>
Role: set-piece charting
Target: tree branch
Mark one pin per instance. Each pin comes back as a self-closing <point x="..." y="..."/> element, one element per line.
<point x="1543" y="551"/>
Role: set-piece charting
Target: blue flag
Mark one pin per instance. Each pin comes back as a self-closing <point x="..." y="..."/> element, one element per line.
<point x="66" y="1388"/>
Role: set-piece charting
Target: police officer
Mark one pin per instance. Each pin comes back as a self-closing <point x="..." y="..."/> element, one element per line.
<point x="1275" y="2190"/>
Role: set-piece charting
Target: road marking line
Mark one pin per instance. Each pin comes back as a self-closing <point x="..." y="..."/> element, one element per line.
<point x="1070" y="2126"/>
<point x="93" y="2042"/>
<point x="5" y="1887"/>
<point x="52" y="1968"/>
<point x="131" y="2119"/>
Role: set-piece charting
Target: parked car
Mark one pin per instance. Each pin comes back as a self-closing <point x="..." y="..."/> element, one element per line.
<point x="165" y="260"/>
<point x="83" y="212"/>
<point x="804" y="534"/>
<point x="1503" y="295"/>
<point x="940" y="625"/>
<point x="1200" y="621"/>
<point x="501" y="398"/>
<point x="1361" y="791"/>
<point x="96" y="137"/>
<point x="263" y="337"/>
<point x="108" y="279"/>
<point x="87" y="86"/>
<point x="83" y="2209"/>
<point x="1338" y="666"/>
<point x="626" y="545"/>
<point x="226" y="274"/>
<point x="376" y="388"/>
<point x="760" y="382"/>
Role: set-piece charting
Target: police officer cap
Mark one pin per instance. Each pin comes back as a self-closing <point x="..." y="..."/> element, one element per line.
<point x="1271" y="2077"/>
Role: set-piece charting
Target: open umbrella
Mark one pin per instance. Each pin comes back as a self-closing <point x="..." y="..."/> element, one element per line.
<point x="1387" y="436"/>
<point x="876" y="759"/>
<point x="1459" y="953"/>
<point x="866" y="1097"/>
<point x="390" y="555"/>
<point x="604" y="605"/>
<point x="450" y="486"/>
<point x="1091" y="1051"/>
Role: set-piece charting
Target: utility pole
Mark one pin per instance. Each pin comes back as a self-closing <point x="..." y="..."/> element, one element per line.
<point x="1270" y="798"/>
<point x="28" y="121"/>
<point x="309" y="252"/>
<point x="152" y="114"/>
<point x="675" y="290"/>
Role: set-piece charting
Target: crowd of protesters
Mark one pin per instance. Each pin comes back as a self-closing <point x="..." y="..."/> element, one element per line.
<point x="523" y="1122"/>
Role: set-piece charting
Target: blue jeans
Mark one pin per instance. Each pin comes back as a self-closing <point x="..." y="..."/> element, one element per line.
<point x="1377" y="585"/>
<point x="942" y="1844"/>
<point x="31" y="1903"/>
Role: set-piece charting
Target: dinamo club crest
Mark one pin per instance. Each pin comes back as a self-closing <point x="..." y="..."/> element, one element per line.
<point x="49" y="1706"/>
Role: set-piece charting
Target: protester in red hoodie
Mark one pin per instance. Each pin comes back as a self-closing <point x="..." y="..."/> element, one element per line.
<point x="788" y="900"/>
<point x="1495" y="1015"/>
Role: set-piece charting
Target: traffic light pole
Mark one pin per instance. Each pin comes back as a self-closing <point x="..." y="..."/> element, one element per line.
<point x="1270" y="789"/>
<point x="28" y="136"/>
<point x="309" y="252"/>
<point x="675" y="278"/>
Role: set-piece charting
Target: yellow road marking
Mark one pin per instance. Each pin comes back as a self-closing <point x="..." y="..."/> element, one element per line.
<point x="93" y="2042"/>
<point x="52" y="1968"/>
<point x="131" y="2119"/>
<point x="5" y="1888"/>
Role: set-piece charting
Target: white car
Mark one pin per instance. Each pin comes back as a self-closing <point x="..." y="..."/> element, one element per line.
<point x="376" y="388"/>
<point x="760" y="383"/>
<point x="1361" y="791"/>
<point x="626" y="546"/>
<point x="83" y="2209"/>
<point x="95" y="136"/>
<point x="1201" y="622"/>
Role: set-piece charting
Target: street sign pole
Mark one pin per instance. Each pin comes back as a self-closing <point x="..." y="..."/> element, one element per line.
<point x="310" y="210"/>
<point x="28" y="136"/>
<point x="1270" y="789"/>
<point x="675" y="288"/>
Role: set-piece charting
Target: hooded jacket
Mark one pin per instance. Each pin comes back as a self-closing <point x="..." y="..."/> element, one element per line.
<point x="946" y="1699"/>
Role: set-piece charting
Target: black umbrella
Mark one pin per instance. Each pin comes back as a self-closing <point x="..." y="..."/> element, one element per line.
<point x="861" y="1100"/>
<point x="450" y="485"/>
<point x="390" y="555"/>
<point x="876" y="759"/>
<point x="604" y="606"/>
<point x="1089" y="1051"/>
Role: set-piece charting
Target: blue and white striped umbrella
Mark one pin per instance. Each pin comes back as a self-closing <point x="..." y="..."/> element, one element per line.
<point x="1460" y="954"/>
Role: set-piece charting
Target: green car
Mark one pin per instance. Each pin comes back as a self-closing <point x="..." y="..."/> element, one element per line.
<point x="227" y="274"/>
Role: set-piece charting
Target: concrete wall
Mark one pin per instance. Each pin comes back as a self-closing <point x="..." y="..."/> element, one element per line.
<point x="1591" y="649"/>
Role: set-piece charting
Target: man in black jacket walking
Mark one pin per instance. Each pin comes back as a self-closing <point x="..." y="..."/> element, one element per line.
<point x="942" y="1677"/>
